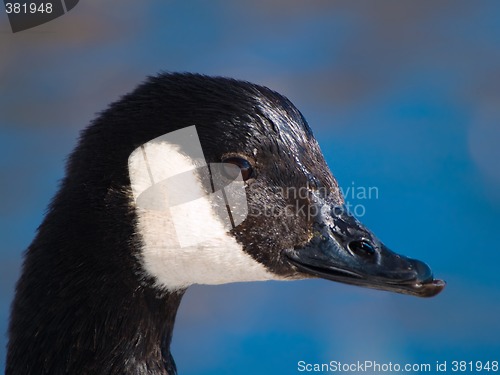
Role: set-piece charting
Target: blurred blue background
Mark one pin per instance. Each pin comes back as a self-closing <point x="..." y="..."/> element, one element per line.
<point x="402" y="96"/>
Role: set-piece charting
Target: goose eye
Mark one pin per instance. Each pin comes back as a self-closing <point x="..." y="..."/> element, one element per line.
<point x="242" y="165"/>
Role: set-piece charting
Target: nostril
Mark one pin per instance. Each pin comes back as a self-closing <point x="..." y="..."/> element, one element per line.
<point x="361" y="248"/>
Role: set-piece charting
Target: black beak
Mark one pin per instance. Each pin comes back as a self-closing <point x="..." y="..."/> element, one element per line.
<point x="342" y="249"/>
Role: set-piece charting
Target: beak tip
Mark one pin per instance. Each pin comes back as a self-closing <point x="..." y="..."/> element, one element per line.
<point x="432" y="288"/>
<point x="426" y="286"/>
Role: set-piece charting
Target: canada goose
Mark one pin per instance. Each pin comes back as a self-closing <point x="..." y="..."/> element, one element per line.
<point x="188" y="179"/>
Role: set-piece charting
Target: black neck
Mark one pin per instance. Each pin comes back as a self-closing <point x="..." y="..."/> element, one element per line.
<point x="83" y="305"/>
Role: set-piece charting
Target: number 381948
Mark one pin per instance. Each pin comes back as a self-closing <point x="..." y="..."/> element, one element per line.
<point x="18" y="8"/>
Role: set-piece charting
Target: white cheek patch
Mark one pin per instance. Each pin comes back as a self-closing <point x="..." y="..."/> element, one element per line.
<point x="185" y="230"/>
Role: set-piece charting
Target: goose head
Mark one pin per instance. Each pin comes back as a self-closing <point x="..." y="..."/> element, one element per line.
<point x="239" y="191"/>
